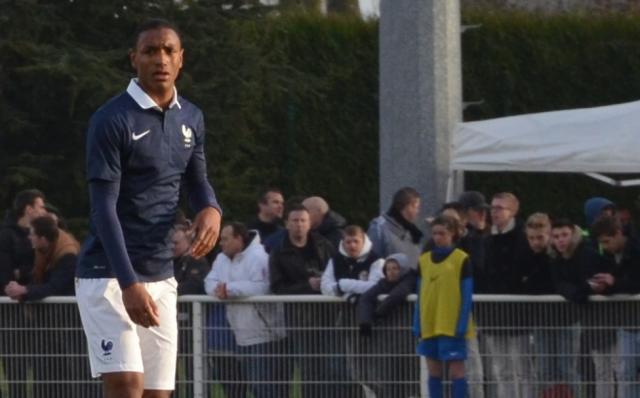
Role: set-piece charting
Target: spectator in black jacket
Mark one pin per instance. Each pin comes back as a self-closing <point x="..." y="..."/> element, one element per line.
<point x="535" y="274"/>
<point x="270" y="209"/>
<point x="621" y="276"/>
<point x="296" y="265"/>
<point x="56" y="253"/>
<point x="189" y="274"/>
<point x="188" y="271"/>
<point x="16" y="264"/>
<point x="509" y="368"/>
<point x="573" y="263"/>
<point x="325" y="221"/>
<point x="16" y="253"/>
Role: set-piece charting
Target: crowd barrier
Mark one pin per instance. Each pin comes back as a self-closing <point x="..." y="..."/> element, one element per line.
<point x="527" y="346"/>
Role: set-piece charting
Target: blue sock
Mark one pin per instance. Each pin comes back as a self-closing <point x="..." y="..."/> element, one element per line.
<point x="435" y="387"/>
<point x="459" y="388"/>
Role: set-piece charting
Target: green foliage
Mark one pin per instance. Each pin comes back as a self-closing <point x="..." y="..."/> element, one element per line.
<point x="281" y="96"/>
<point x="290" y="99"/>
<point x="523" y="63"/>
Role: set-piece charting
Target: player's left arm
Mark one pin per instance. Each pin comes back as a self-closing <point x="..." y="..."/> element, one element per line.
<point x="202" y="198"/>
<point x="466" y="291"/>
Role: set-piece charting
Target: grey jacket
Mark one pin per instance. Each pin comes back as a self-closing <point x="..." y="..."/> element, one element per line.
<point x="388" y="237"/>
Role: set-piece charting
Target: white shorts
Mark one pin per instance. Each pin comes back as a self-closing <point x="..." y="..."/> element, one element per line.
<point x="116" y="344"/>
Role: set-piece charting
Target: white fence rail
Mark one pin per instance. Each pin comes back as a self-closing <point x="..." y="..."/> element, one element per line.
<point x="527" y="346"/>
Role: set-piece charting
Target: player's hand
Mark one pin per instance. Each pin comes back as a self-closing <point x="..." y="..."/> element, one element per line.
<point x="140" y="306"/>
<point x="206" y="228"/>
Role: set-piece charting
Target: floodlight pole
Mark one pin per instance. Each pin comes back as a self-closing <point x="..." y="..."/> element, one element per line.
<point x="420" y="96"/>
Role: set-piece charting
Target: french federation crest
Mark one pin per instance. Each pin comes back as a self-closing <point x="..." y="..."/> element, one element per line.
<point x="187" y="134"/>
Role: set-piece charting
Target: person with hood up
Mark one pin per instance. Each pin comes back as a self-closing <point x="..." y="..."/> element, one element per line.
<point x="355" y="269"/>
<point x="382" y="342"/>
<point x="597" y="207"/>
<point x="242" y="270"/>
<point x="324" y="221"/>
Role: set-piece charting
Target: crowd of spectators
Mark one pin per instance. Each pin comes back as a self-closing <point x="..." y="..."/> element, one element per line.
<point x="307" y="248"/>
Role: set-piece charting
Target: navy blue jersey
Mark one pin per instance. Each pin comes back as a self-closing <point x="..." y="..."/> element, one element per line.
<point x="148" y="152"/>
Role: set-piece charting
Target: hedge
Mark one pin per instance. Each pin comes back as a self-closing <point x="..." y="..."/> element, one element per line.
<point x="292" y="99"/>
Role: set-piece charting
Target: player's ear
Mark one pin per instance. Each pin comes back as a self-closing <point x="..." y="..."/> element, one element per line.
<point x="132" y="59"/>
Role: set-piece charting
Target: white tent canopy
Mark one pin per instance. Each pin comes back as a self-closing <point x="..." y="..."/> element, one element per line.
<point x="592" y="140"/>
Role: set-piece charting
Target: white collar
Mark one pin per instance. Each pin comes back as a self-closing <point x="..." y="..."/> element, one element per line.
<point x="137" y="93"/>
<point x="510" y="226"/>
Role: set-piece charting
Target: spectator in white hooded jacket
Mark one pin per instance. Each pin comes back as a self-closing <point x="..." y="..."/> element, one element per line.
<point x="242" y="270"/>
<point x="355" y="269"/>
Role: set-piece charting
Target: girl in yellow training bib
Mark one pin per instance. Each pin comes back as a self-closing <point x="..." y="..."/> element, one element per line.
<point x="443" y="312"/>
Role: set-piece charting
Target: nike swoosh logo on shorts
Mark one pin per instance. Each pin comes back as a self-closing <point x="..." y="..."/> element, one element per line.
<point x="136" y="137"/>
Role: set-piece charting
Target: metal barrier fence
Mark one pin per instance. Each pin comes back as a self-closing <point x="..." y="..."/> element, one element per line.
<point x="527" y="346"/>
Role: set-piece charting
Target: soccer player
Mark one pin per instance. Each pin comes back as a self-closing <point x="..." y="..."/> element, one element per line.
<point x="140" y="145"/>
<point x="443" y="322"/>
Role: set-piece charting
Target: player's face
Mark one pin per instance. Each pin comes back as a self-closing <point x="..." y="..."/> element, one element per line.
<point x="157" y="59"/>
<point x="441" y="236"/>
<point x="353" y="245"/>
<point x="561" y="239"/>
<point x="538" y="239"/>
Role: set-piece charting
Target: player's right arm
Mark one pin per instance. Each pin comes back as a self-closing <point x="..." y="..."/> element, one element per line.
<point x="104" y="142"/>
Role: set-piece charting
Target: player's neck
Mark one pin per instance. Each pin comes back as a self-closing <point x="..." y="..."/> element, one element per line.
<point x="162" y="98"/>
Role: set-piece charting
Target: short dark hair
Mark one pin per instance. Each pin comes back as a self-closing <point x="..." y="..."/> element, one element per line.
<point x="562" y="223"/>
<point x="46" y="227"/>
<point x="404" y="197"/>
<point x="294" y="207"/>
<point x="605" y="226"/>
<point x="25" y="198"/>
<point x="153" y="24"/>
<point x="263" y="195"/>
<point x="451" y="224"/>
<point x="239" y="229"/>
<point x="353" y="230"/>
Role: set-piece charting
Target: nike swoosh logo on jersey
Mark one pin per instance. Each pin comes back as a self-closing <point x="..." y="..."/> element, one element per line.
<point x="136" y="137"/>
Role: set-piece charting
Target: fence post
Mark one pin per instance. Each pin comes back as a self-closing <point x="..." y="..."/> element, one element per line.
<point x="198" y="350"/>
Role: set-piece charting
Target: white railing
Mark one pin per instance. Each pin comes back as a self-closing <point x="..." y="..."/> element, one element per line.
<point x="527" y="345"/>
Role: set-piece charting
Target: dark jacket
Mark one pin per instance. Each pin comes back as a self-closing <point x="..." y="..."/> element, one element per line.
<point x="369" y="308"/>
<point x="58" y="281"/>
<point x="331" y="228"/>
<point x="290" y="267"/>
<point x="627" y="271"/>
<point x="190" y="274"/>
<point x="535" y="271"/>
<point x="265" y="229"/>
<point x="570" y="275"/>
<point x="16" y="253"/>
<point x="473" y="243"/>
<point x="501" y="273"/>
